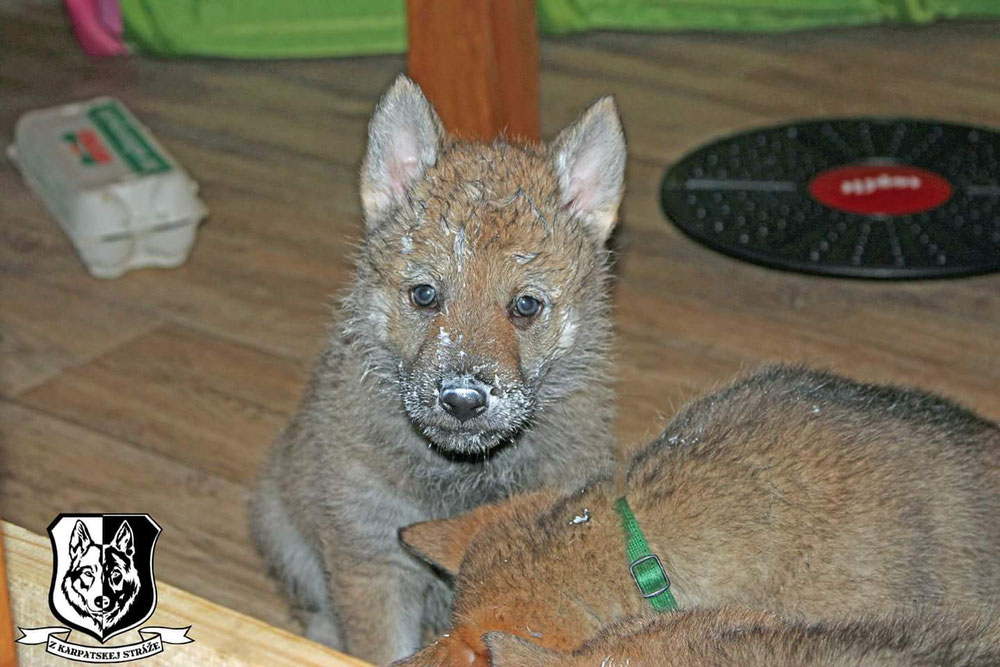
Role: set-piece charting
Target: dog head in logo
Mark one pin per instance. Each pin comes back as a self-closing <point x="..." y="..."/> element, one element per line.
<point x="103" y="581"/>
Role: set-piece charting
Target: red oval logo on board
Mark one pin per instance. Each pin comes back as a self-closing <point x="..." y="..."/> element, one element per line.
<point x="880" y="189"/>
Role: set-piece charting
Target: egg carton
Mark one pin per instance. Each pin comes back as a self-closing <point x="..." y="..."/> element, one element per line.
<point x="121" y="198"/>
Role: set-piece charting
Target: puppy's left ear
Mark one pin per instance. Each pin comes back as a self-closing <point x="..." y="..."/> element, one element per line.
<point x="507" y="650"/>
<point x="589" y="160"/>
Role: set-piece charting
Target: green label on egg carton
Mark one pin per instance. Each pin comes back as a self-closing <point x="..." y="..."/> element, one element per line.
<point x="127" y="140"/>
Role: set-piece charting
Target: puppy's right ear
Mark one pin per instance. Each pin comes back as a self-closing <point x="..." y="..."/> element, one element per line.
<point x="404" y="140"/>
<point x="507" y="650"/>
<point x="79" y="539"/>
<point x="444" y="542"/>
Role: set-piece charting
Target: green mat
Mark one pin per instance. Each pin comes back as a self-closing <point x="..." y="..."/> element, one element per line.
<point x="316" y="28"/>
<point x="265" y="28"/>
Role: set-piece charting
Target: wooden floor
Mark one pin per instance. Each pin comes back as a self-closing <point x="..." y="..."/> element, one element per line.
<point x="160" y="391"/>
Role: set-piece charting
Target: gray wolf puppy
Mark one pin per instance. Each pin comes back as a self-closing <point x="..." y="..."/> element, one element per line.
<point x="469" y="361"/>
<point x="101" y="582"/>
<point x="799" y="492"/>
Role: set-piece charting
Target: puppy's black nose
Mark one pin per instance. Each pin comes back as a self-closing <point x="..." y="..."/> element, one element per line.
<point x="103" y="602"/>
<point x="462" y="403"/>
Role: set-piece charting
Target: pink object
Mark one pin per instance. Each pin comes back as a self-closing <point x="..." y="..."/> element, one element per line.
<point x="98" y="26"/>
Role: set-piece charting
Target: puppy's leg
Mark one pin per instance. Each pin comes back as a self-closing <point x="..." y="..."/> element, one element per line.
<point x="296" y="564"/>
<point x="437" y="608"/>
<point x="381" y="601"/>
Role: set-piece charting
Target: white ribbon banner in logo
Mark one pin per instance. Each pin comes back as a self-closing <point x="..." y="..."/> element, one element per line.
<point x="104" y="654"/>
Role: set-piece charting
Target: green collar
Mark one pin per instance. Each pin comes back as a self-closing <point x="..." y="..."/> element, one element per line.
<point x="645" y="566"/>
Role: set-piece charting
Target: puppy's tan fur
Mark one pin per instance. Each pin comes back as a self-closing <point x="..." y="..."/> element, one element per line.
<point x="799" y="492"/>
<point x="372" y="447"/>
<point x="737" y="636"/>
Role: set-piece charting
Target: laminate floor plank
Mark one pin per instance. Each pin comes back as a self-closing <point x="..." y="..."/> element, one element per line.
<point x="160" y="391"/>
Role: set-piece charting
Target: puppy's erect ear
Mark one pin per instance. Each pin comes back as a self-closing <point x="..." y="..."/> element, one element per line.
<point x="79" y="539"/>
<point x="444" y="542"/>
<point x="507" y="650"/>
<point x="404" y="139"/>
<point x="124" y="540"/>
<point x="589" y="159"/>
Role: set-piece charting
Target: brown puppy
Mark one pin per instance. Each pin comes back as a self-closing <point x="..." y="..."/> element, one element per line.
<point x="795" y="491"/>
<point x="468" y="361"/>
<point x="734" y="636"/>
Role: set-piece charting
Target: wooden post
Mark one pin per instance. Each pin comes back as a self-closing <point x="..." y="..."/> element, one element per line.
<point x="8" y="657"/>
<point x="477" y="62"/>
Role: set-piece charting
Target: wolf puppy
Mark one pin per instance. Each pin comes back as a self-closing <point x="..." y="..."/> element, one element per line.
<point x="798" y="492"/>
<point x="469" y="361"/>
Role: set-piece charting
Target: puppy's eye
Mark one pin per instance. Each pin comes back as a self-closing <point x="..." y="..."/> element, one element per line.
<point x="526" y="306"/>
<point x="424" y="296"/>
<point x="116" y="577"/>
